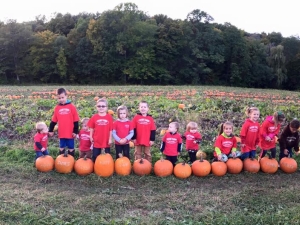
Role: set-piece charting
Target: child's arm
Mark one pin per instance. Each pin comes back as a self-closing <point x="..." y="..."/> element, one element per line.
<point x="75" y="129"/>
<point x="51" y="128"/>
<point x="91" y="135"/>
<point x="110" y="141"/>
<point x="130" y="135"/>
<point x="162" y="146"/>
<point x="115" y="136"/>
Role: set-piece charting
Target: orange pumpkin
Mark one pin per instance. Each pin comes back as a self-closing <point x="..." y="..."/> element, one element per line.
<point x="142" y="167"/>
<point x="122" y="166"/>
<point x="44" y="163"/>
<point x="181" y="106"/>
<point x="238" y="139"/>
<point x="201" y="168"/>
<point x="96" y="98"/>
<point x="84" y="166"/>
<point x="163" y="168"/>
<point x="251" y="165"/>
<point x="201" y="153"/>
<point x="162" y="132"/>
<point x="219" y="168"/>
<point x="182" y="170"/>
<point x="268" y="165"/>
<point x="110" y="112"/>
<point x="234" y="165"/>
<point x="64" y="163"/>
<point x="104" y="165"/>
<point x="288" y="165"/>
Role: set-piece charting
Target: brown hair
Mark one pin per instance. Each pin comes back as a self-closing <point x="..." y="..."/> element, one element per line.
<point x="39" y="126"/>
<point x="61" y="91"/>
<point x="295" y="124"/>
<point x="122" y="107"/>
<point x="103" y="100"/>
<point x="278" y="117"/>
<point x="227" y="123"/>
<point x="176" y="124"/>
<point x="144" y="103"/>
<point x="250" y="109"/>
<point x="191" y="125"/>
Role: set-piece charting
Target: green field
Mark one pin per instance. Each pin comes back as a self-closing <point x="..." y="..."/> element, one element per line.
<point x="30" y="197"/>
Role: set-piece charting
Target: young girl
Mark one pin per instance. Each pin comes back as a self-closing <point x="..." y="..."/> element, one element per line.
<point x="41" y="140"/>
<point x="289" y="139"/>
<point x="225" y="145"/>
<point x="250" y="133"/>
<point x="193" y="139"/>
<point x="171" y="143"/>
<point x="269" y="129"/>
<point x="84" y="140"/>
<point x="101" y="129"/>
<point x="122" y="132"/>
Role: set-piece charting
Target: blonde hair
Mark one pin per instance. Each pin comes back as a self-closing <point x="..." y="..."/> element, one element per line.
<point x="191" y="125"/>
<point x="122" y="107"/>
<point x="250" y="109"/>
<point x="103" y="100"/>
<point x="39" y="126"/>
<point x="176" y="124"/>
<point x="83" y="120"/>
<point x="227" y="123"/>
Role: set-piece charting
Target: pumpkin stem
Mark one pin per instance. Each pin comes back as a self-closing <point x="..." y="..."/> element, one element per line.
<point x="102" y="151"/>
<point x="201" y="157"/>
<point x="141" y="161"/>
<point x="162" y="158"/>
<point x="84" y="158"/>
<point x="120" y="155"/>
<point x="66" y="153"/>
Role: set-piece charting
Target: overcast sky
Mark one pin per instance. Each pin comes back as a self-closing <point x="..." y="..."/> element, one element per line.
<point x="253" y="16"/>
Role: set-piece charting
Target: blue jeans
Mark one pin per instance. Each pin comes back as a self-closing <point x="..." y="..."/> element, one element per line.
<point x="250" y="155"/>
<point x="40" y="153"/>
<point x="282" y="155"/>
<point x="264" y="152"/>
<point x="97" y="151"/>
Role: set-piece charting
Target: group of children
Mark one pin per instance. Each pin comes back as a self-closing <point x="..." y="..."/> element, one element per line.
<point x="99" y="131"/>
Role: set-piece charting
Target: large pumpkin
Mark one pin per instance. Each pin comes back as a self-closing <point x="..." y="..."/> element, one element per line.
<point x="219" y="168"/>
<point x="200" y="154"/>
<point x="142" y="167"/>
<point x="181" y="106"/>
<point x="104" y="165"/>
<point x="251" y="165"/>
<point x="201" y="168"/>
<point x="288" y="165"/>
<point x="122" y="166"/>
<point x="84" y="166"/>
<point x="268" y="165"/>
<point x="234" y="165"/>
<point x="64" y="163"/>
<point x="182" y="170"/>
<point x="44" y="163"/>
<point x="163" y="168"/>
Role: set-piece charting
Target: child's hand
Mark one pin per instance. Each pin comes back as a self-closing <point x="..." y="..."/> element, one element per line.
<point x="243" y="145"/>
<point x="296" y="153"/>
<point x="123" y="141"/>
<point x="110" y="141"/>
<point x="92" y="139"/>
<point x="220" y="157"/>
<point x="233" y="154"/>
<point x="268" y="138"/>
<point x="43" y="149"/>
<point x="74" y="135"/>
<point x="151" y="143"/>
<point x="285" y="151"/>
<point x="50" y="134"/>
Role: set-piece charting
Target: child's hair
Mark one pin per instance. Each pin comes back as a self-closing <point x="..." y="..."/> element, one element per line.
<point x="122" y="107"/>
<point x="227" y="123"/>
<point x="84" y="120"/>
<point x="61" y="91"/>
<point x="39" y="126"/>
<point x="176" y="124"/>
<point x="250" y="109"/>
<point x="141" y="102"/>
<point x="295" y="124"/>
<point x="191" y="125"/>
<point x="278" y="117"/>
<point x="103" y="100"/>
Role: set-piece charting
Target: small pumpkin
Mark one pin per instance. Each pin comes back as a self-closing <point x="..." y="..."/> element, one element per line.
<point x="162" y="132"/>
<point x="201" y="168"/>
<point x="251" y="165"/>
<point x="201" y="153"/>
<point x="163" y="168"/>
<point x="238" y="139"/>
<point x="104" y="165"/>
<point x="110" y="112"/>
<point x="181" y="106"/>
<point x="64" y="163"/>
<point x="268" y="165"/>
<point x="182" y="170"/>
<point x="44" y="163"/>
<point x="122" y="166"/>
<point x="84" y="166"/>
<point x="142" y="167"/>
<point x="288" y="165"/>
<point x="219" y="168"/>
<point x="234" y="165"/>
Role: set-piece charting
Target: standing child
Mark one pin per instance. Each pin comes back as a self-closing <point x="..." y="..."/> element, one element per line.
<point x="144" y="132"/>
<point x="101" y="129"/>
<point x="66" y="115"/>
<point x="268" y="131"/>
<point x="225" y="145"/>
<point x="84" y="140"/>
<point x="41" y="140"/>
<point x="250" y="133"/>
<point x="122" y="132"/>
<point x="289" y="139"/>
<point x="193" y="139"/>
<point x="171" y="143"/>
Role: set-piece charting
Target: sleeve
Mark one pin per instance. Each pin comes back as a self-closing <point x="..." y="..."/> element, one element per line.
<point x="115" y="136"/>
<point x="162" y="146"/>
<point x="51" y="126"/>
<point x="75" y="114"/>
<point x="264" y="129"/>
<point x="38" y="145"/>
<point x="133" y="122"/>
<point x="130" y="135"/>
<point x="257" y="136"/>
<point x="54" y="116"/>
<point x="243" y="133"/>
<point x="282" y="140"/>
<point x="153" y="131"/>
<point x="179" y="147"/>
<point x="218" y="145"/>
<point x="198" y="138"/>
<point x="296" y="146"/>
<point x="76" y="126"/>
<point x="91" y="123"/>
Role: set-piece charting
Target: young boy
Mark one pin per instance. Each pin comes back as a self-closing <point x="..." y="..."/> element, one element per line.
<point x="41" y="140"/>
<point x="84" y="140"/>
<point x="66" y="115"/>
<point x="144" y="132"/>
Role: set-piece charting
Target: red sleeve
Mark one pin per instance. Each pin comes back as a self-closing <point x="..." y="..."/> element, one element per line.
<point x="37" y="138"/>
<point x="134" y="122"/>
<point x="54" y="116"/>
<point x="153" y="126"/>
<point x="264" y="129"/>
<point x="257" y="136"/>
<point x="218" y="142"/>
<point x="234" y="142"/>
<point x="91" y="123"/>
<point x="243" y="133"/>
<point x="111" y="121"/>
<point x="179" y="139"/>
<point x="199" y="136"/>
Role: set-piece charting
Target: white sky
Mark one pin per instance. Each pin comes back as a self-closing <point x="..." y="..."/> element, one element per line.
<point x="252" y="16"/>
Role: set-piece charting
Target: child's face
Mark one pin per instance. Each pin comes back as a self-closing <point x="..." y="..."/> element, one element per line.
<point x="143" y="107"/>
<point x="62" y="98"/>
<point x="254" y="115"/>
<point x="84" y="126"/>
<point x="122" y="114"/>
<point x="193" y="130"/>
<point x="293" y="130"/>
<point x="101" y="107"/>
<point x="172" y="128"/>
<point x="45" y="129"/>
<point x="228" y="130"/>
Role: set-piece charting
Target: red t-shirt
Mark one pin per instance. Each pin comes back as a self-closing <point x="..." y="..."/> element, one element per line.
<point x="171" y="143"/>
<point x="65" y="116"/>
<point x="225" y="144"/>
<point x="249" y="135"/>
<point x="268" y="128"/>
<point x="143" y="125"/>
<point x="122" y="129"/>
<point x="190" y="138"/>
<point x="84" y="141"/>
<point x="41" y="138"/>
<point x="102" y="126"/>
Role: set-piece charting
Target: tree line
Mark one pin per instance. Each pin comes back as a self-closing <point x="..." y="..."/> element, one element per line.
<point x="127" y="46"/>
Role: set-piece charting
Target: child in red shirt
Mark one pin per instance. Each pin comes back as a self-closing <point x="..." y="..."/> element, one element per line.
<point x="250" y="133"/>
<point x="171" y="143"/>
<point x="193" y="139"/>
<point x="41" y="140"/>
<point x="122" y="132"/>
<point x="144" y="132"/>
<point x="84" y="140"/>
<point x="268" y="131"/>
<point x="101" y="129"/>
<point x="225" y="145"/>
<point x="66" y="115"/>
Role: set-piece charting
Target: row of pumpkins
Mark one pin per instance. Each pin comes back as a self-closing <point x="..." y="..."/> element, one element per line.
<point x="105" y="166"/>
